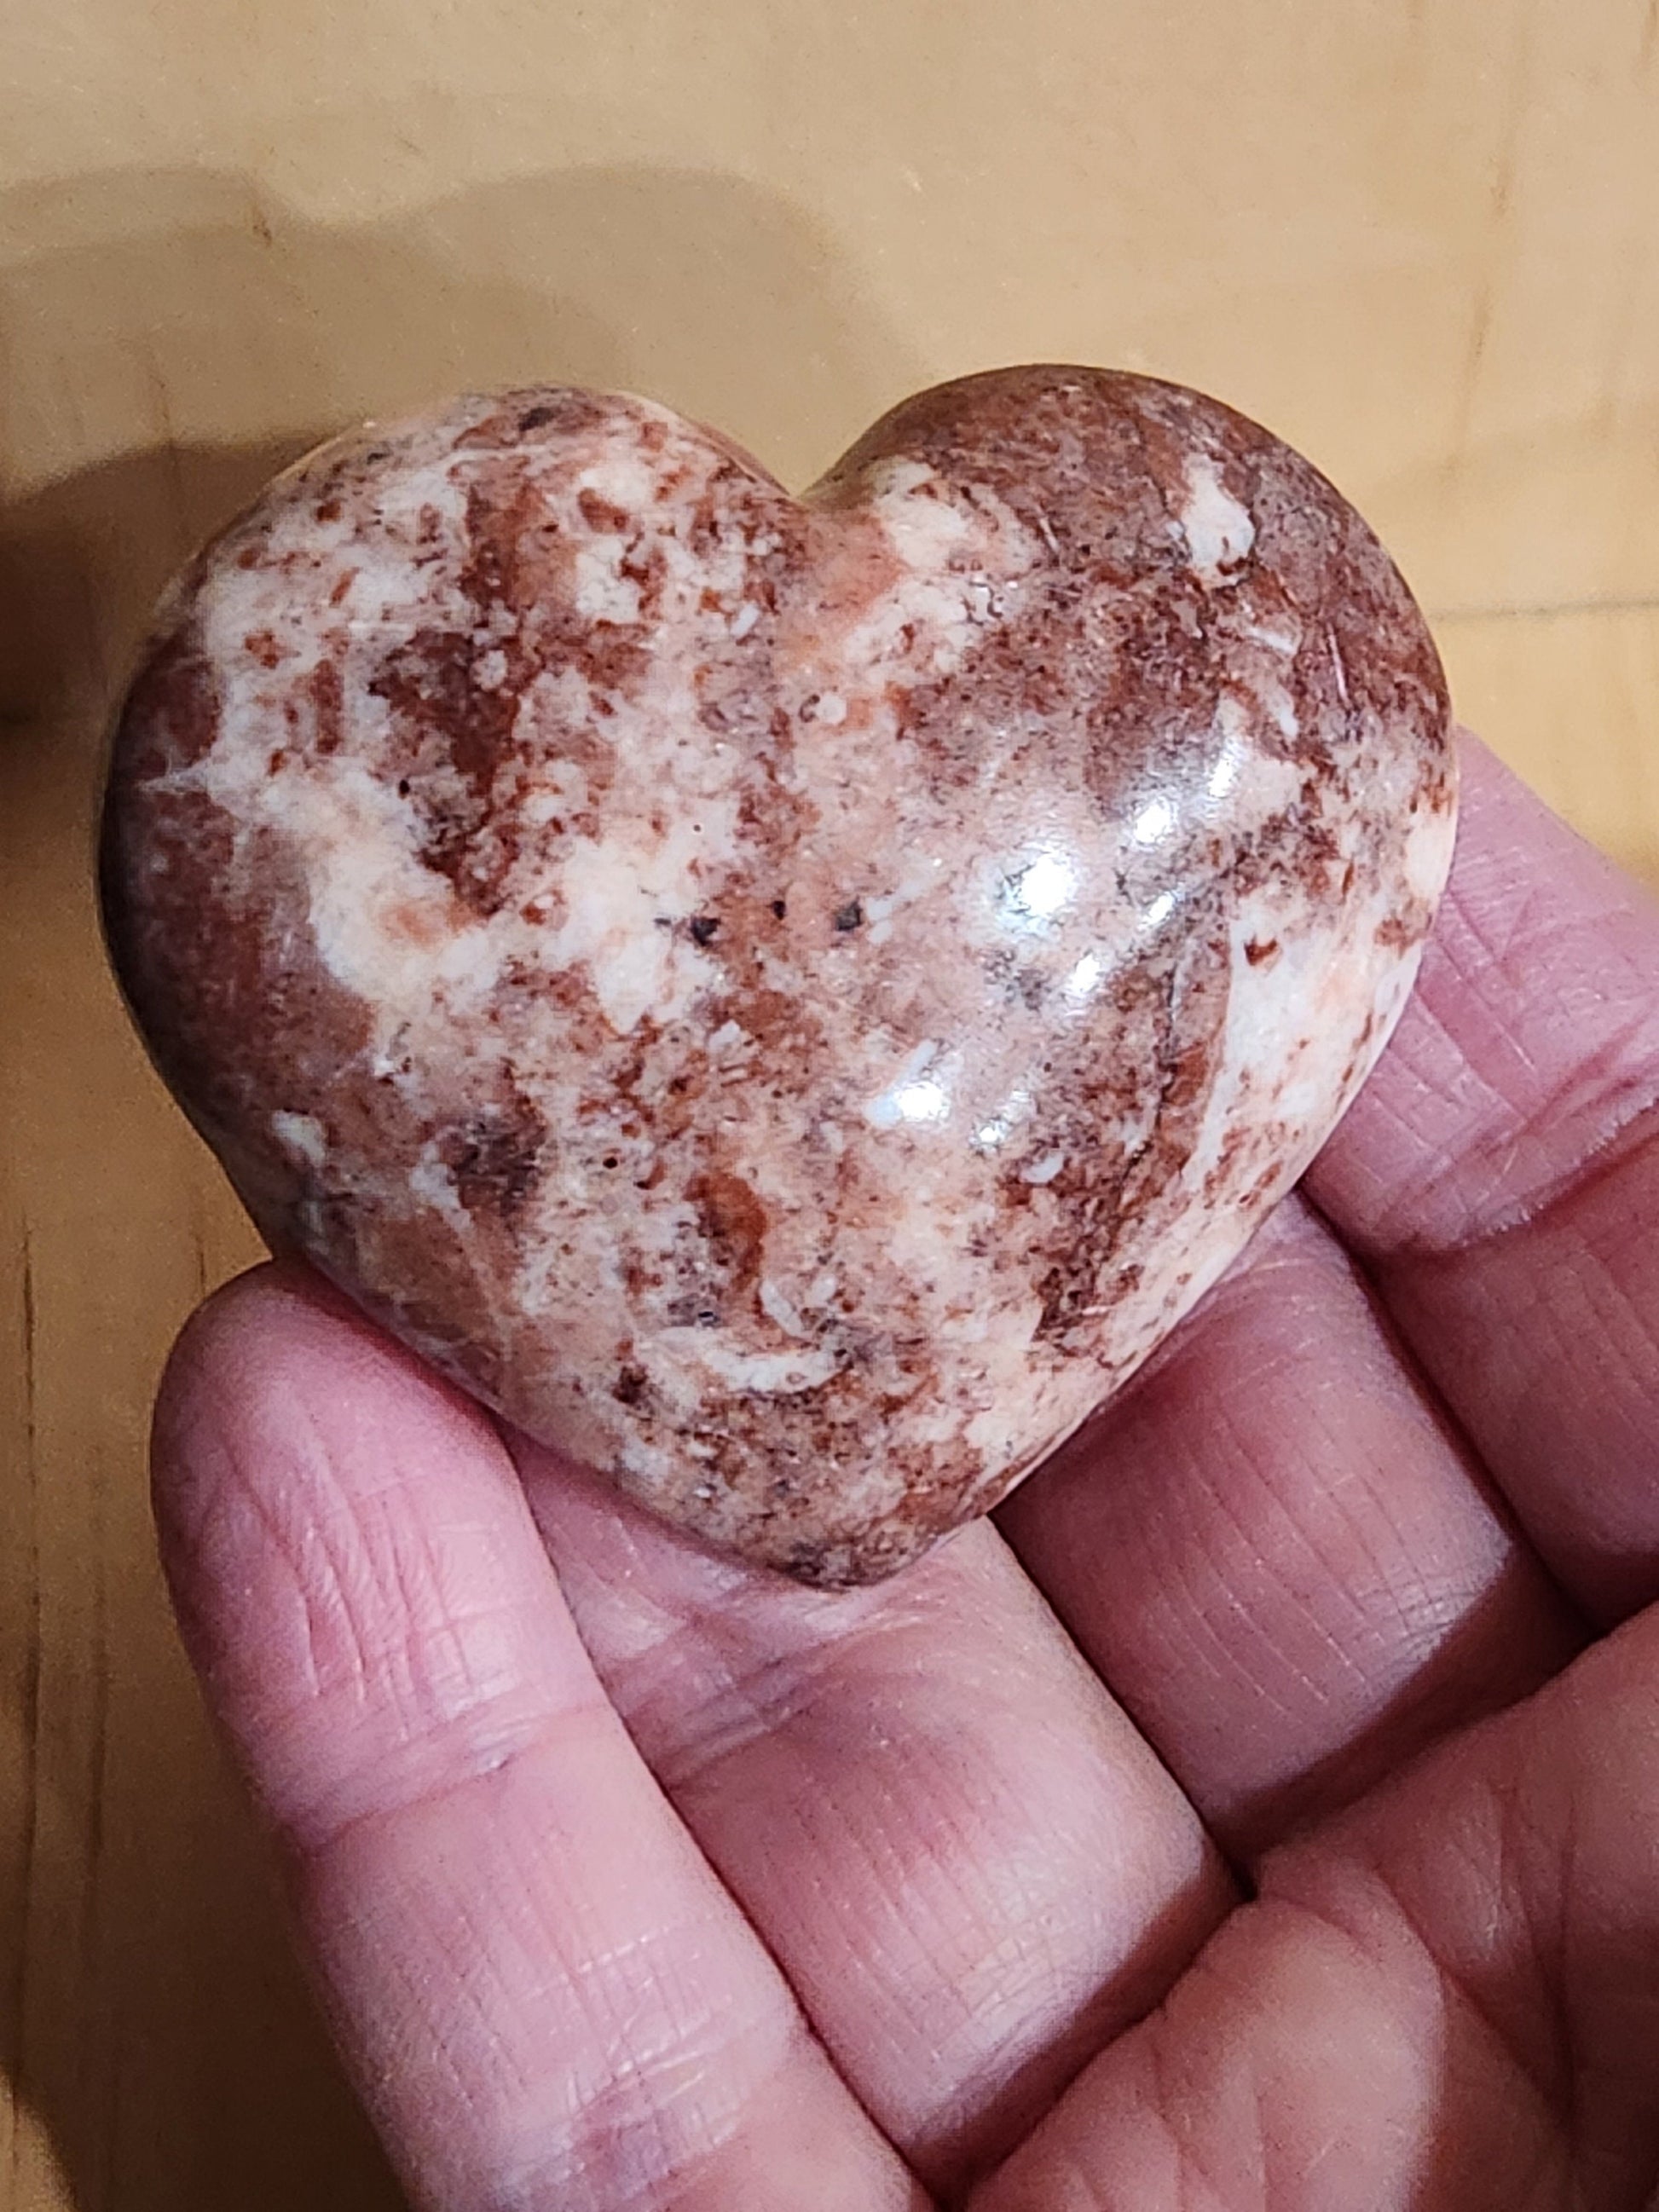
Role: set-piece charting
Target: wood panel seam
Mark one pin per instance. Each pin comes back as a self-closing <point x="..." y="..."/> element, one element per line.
<point x="27" y="1719"/>
<point x="1548" y="610"/>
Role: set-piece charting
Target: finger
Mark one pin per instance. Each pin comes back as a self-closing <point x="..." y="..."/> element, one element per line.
<point x="1500" y="1176"/>
<point x="542" y="1993"/>
<point x="970" y="1865"/>
<point x="1280" y="1557"/>
<point x="1446" y="2000"/>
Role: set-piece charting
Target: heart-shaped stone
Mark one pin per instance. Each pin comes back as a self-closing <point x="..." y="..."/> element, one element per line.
<point x="789" y="1000"/>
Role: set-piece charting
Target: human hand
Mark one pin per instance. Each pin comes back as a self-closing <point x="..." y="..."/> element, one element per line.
<point x="633" y="1878"/>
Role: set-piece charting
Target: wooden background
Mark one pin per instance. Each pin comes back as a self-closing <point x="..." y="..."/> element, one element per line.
<point x="1420" y="238"/>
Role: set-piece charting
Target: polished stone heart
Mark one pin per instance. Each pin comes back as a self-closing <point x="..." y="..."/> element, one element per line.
<point x="789" y="1000"/>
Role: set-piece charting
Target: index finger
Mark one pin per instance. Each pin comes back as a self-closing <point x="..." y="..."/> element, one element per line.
<point x="1499" y="1176"/>
<point x="544" y="1993"/>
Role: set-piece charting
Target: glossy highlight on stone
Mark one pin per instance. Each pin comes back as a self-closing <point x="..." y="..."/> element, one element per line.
<point x="787" y="1000"/>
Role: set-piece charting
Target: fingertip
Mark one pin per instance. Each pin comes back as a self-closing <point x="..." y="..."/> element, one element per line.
<point x="282" y="1340"/>
<point x="211" y="1379"/>
<point x="257" y="1321"/>
<point x="326" y="1508"/>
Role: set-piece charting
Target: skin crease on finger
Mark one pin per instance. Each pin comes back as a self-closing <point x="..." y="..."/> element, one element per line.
<point x="1444" y="1999"/>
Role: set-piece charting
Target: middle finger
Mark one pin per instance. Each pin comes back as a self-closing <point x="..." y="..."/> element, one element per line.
<point x="1280" y="1554"/>
<point x="967" y="1861"/>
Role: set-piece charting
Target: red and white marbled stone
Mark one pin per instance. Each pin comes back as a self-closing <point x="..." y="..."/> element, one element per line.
<point x="788" y="1000"/>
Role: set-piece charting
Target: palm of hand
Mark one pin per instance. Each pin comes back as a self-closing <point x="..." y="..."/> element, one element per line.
<point x="634" y="1881"/>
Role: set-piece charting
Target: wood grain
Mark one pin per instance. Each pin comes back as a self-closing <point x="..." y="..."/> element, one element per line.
<point x="1419" y="240"/>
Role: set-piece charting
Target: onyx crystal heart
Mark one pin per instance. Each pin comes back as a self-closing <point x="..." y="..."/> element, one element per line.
<point x="788" y="1000"/>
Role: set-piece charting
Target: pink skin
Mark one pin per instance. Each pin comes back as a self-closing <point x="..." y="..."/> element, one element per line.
<point x="635" y="1879"/>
